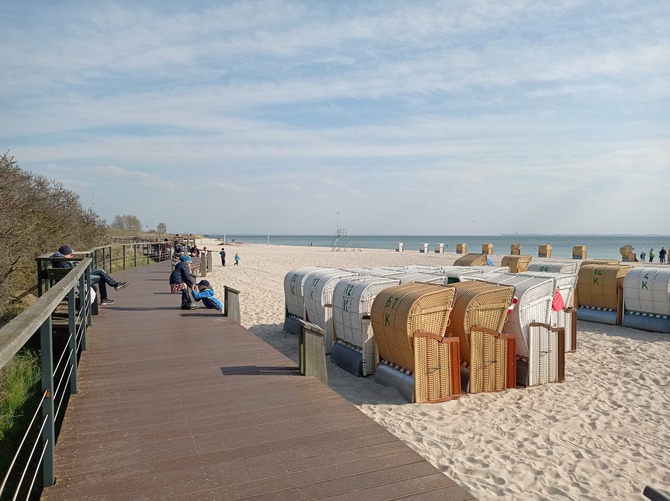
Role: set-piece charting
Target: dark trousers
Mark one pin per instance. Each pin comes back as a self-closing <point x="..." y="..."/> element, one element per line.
<point x="102" y="279"/>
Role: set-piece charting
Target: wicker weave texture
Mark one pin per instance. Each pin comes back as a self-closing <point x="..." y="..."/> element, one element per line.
<point x="534" y="297"/>
<point x="294" y="282"/>
<point x="490" y="357"/>
<point x="480" y="304"/>
<point x="543" y="362"/>
<point x="400" y="311"/>
<point x="647" y="290"/>
<point x="471" y="259"/>
<point x="352" y="301"/>
<point x="565" y="283"/>
<point x="553" y="267"/>
<point x="598" y="285"/>
<point x="516" y="264"/>
<point x="438" y="372"/>
<point x="318" y="292"/>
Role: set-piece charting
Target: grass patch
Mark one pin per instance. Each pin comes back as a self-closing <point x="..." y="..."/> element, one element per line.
<point x="19" y="381"/>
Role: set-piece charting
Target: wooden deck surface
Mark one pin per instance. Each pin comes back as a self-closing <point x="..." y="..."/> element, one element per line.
<point x="188" y="405"/>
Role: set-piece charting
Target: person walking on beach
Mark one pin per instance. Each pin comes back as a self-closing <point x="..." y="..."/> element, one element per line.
<point x="99" y="277"/>
<point x="237" y="258"/>
<point x="222" y="253"/>
<point x="643" y="255"/>
<point x="661" y="255"/>
<point x="652" y="255"/>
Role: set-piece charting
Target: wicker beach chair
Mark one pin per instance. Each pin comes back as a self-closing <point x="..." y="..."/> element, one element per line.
<point x="566" y="318"/>
<point x="553" y="267"/>
<point x="534" y="298"/>
<point x="516" y="263"/>
<point x="471" y="259"/>
<point x="481" y="308"/>
<point x="646" y="299"/>
<point x="437" y="375"/>
<point x="354" y="347"/>
<point x="600" y="293"/>
<point x="318" y="296"/>
<point x="398" y="313"/>
<point x="294" y="282"/>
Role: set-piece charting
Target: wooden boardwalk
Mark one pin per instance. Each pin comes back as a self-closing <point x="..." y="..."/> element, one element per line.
<point x="188" y="405"/>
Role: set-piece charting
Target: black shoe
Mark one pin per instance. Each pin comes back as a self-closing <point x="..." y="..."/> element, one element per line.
<point x="120" y="285"/>
<point x="107" y="301"/>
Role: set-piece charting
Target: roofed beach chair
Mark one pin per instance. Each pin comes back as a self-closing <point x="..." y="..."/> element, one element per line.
<point x="516" y="263"/>
<point x="553" y="267"/>
<point x="409" y="321"/>
<point x="318" y="296"/>
<point x="354" y="347"/>
<point x="471" y="259"/>
<point x="294" y="282"/>
<point x="540" y="348"/>
<point x="600" y="293"/>
<point x="566" y="317"/>
<point x="646" y="299"/>
<point x="488" y="358"/>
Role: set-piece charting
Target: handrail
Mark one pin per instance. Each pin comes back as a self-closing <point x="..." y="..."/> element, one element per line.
<point x="20" y="329"/>
<point x="37" y="318"/>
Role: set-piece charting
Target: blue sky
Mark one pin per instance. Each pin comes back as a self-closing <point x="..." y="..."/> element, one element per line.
<point x="405" y="117"/>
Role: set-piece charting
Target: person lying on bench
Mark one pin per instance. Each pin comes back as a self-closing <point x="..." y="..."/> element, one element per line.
<point x="100" y="277"/>
<point x="205" y="293"/>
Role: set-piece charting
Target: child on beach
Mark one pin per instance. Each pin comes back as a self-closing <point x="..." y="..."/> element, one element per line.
<point x="237" y="258"/>
<point x="205" y="293"/>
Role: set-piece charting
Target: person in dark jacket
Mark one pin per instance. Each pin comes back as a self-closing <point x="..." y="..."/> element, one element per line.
<point x="661" y="255"/>
<point x="205" y="293"/>
<point x="99" y="277"/>
<point x="182" y="281"/>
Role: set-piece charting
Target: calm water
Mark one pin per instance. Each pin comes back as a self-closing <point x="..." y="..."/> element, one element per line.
<point x="597" y="246"/>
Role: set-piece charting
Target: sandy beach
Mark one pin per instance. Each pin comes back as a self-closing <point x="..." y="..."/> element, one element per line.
<point x="602" y="434"/>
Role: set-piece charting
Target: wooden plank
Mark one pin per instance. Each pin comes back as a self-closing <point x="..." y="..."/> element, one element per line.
<point x="190" y="405"/>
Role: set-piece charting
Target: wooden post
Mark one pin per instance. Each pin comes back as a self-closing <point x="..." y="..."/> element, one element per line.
<point x="231" y="304"/>
<point x="312" y="352"/>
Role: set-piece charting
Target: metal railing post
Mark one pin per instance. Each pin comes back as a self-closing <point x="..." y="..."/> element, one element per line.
<point x="135" y="254"/>
<point x="123" y="246"/>
<point x="72" y="339"/>
<point x="49" y="431"/>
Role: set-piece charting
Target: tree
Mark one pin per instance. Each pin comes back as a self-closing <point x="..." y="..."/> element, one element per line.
<point x="38" y="216"/>
<point x="161" y="228"/>
<point x="127" y="222"/>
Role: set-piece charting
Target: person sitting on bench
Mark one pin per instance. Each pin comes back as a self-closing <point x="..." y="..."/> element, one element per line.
<point x="100" y="277"/>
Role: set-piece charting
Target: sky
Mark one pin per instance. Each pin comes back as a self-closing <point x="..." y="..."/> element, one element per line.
<point x="453" y="117"/>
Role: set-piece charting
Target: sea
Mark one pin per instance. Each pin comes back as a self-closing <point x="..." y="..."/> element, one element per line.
<point x="597" y="246"/>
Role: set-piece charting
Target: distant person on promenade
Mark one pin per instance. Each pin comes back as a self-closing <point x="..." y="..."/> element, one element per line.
<point x="222" y="253"/>
<point x="643" y="256"/>
<point x="99" y="277"/>
<point x="237" y="258"/>
<point x="661" y="255"/>
<point x="181" y="281"/>
<point x="652" y="255"/>
<point x="203" y="292"/>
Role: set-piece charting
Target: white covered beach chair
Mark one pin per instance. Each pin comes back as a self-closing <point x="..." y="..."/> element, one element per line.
<point x="318" y="296"/>
<point x="294" y="297"/>
<point x="565" y="284"/>
<point x="646" y="299"/>
<point x="354" y="347"/>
